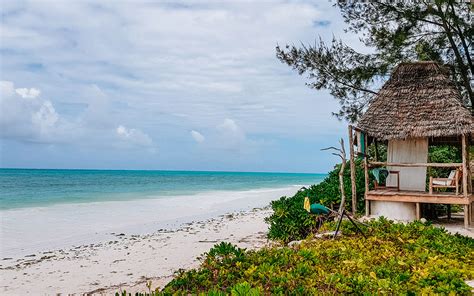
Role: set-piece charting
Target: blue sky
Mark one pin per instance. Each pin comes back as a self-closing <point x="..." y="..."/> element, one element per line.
<point x="186" y="85"/>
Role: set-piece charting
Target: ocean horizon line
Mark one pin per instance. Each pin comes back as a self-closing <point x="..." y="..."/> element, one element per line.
<point x="162" y="170"/>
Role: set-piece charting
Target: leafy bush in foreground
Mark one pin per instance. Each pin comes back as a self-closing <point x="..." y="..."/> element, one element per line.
<point x="394" y="259"/>
<point x="289" y="221"/>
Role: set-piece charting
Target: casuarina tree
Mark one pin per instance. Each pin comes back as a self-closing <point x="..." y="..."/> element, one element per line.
<point x="394" y="32"/>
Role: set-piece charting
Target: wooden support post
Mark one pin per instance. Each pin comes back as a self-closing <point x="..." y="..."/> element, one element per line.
<point x="468" y="165"/>
<point x="464" y="179"/>
<point x="367" y="208"/>
<point x="464" y="165"/>
<point x="469" y="179"/>
<point x="376" y="150"/>
<point x="430" y="190"/>
<point x="418" y="211"/>
<point x="466" y="216"/>
<point x="472" y="212"/>
<point x="366" y="177"/>
<point x="353" y="171"/>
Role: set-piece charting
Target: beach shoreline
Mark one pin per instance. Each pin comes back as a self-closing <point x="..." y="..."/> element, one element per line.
<point x="128" y="261"/>
<point x="32" y="230"/>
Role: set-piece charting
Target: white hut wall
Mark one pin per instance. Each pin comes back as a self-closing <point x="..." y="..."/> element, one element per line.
<point x="408" y="151"/>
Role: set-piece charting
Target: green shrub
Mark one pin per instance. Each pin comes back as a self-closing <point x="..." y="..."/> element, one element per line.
<point x="394" y="259"/>
<point x="289" y="221"/>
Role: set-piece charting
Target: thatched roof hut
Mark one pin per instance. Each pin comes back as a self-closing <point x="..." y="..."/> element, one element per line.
<point x="419" y="100"/>
<point x="417" y="107"/>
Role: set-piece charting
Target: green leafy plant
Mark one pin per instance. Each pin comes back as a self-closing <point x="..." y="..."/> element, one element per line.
<point x="395" y="259"/>
<point x="244" y="289"/>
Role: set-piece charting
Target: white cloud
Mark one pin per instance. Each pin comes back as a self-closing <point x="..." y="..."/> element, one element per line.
<point x="25" y="119"/>
<point x="231" y="131"/>
<point x="231" y="135"/>
<point x="7" y="89"/>
<point x="134" y="136"/>
<point x="228" y="125"/>
<point x="46" y="117"/>
<point x="28" y="93"/>
<point x="197" y="136"/>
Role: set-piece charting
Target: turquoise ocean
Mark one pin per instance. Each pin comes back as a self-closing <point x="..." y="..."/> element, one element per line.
<point x="51" y="209"/>
<point x="23" y="188"/>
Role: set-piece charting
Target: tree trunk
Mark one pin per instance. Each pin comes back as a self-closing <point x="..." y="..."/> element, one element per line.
<point x="463" y="40"/>
<point x="457" y="54"/>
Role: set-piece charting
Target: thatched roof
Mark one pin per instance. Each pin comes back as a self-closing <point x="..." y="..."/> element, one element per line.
<point x="419" y="100"/>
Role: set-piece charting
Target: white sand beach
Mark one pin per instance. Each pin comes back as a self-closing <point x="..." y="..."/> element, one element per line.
<point x="127" y="259"/>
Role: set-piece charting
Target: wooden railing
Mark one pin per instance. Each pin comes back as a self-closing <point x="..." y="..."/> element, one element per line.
<point x="429" y="164"/>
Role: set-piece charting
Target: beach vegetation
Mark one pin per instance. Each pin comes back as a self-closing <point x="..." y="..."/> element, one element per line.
<point x="395" y="258"/>
<point x="409" y="259"/>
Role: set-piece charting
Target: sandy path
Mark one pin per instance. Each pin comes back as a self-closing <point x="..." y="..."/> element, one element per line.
<point x="129" y="260"/>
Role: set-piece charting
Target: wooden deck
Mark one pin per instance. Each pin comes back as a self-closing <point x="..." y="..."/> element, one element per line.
<point x="419" y="197"/>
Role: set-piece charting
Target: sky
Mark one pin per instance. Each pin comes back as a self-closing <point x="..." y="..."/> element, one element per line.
<point x="165" y="85"/>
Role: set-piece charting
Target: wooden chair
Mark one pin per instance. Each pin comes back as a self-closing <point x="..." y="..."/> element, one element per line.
<point x="397" y="187"/>
<point x="452" y="181"/>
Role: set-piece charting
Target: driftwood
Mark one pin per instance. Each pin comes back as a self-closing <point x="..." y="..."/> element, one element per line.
<point x="341" y="152"/>
<point x="353" y="171"/>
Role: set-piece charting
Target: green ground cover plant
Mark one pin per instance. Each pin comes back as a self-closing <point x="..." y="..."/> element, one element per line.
<point x="412" y="259"/>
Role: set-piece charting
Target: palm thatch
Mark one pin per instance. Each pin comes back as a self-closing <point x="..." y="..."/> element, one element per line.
<point x="419" y="100"/>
